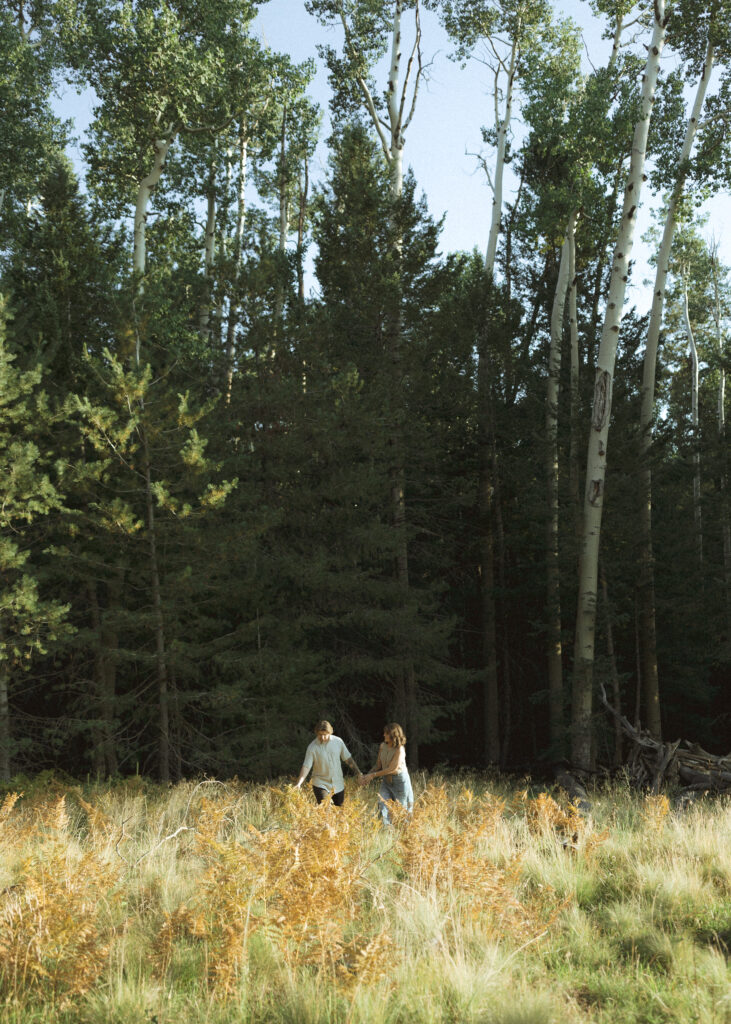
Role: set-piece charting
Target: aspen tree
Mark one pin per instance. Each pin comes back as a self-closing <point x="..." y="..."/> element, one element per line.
<point x="500" y="36"/>
<point x="701" y="38"/>
<point x="560" y="109"/>
<point x="720" y="307"/>
<point x="581" y="746"/>
<point x="369" y="33"/>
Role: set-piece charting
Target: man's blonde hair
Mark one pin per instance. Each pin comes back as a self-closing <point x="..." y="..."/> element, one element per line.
<point x="324" y="726"/>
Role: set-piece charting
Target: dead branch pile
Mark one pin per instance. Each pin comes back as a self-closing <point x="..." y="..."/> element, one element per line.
<point x="653" y="764"/>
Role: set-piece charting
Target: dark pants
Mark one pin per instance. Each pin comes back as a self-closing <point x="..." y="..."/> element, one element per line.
<point x="320" y="795"/>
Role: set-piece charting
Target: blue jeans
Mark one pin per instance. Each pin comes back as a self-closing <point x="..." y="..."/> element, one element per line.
<point x="398" y="788"/>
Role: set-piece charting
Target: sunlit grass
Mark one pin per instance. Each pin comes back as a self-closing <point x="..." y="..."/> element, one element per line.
<point x="212" y="902"/>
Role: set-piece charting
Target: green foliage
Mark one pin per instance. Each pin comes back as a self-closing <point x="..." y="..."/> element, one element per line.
<point x="202" y="536"/>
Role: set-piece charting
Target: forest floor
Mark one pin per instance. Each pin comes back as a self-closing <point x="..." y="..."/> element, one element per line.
<point x="215" y="902"/>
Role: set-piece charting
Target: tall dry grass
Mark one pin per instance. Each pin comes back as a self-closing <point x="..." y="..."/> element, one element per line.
<point x="237" y="902"/>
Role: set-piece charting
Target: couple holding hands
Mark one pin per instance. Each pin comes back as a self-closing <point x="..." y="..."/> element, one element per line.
<point x="327" y="752"/>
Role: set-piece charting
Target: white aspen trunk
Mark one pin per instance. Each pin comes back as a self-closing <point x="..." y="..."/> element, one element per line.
<point x="574" y="370"/>
<point x="139" y="260"/>
<point x="283" y="196"/>
<point x="695" y="421"/>
<point x="223" y="245"/>
<point x="491" y="694"/>
<point x="394" y="106"/>
<point x="302" y="213"/>
<point x="208" y="259"/>
<point x="648" y="631"/>
<point x="721" y="427"/>
<point x="553" y="575"/>
<point x="392" y="144"/>
<point x="283" y="217"/>
<point x="582" y="703"/>
<point x="144" y="191"/>
<point x="502" y="126"/>
<point x="233" y="306"/>
<point x="406" y="689"/>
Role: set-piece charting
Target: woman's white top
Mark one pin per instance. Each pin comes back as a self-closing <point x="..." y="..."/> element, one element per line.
<point x="392" y="759"/>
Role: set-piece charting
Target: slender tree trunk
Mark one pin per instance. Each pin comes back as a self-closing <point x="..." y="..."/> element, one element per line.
<point x="638" y="664"/>
<point x="502" y="127"/>
<point x="234" y="299"/>
<point x="163" y="696"/>
<point x="144" y="191"/>
<point x="176" y="729"/>
<point x="204" y="317"/>
<point x="5" y="735"/>
<point x="490" y="687"/>
<point x="616" y="692"/>
<point x="395" y="110"/>
<point x="98" y="759"/>
<point x="283" y="219"/>
<point x="111" y="645"/>
<point x="505" y="691"/>
<point x="139" y="267"/>
<point x="602" y="265"/>
<point x="302" y="213"/>
<point x="695" y="422"/>
<point x="574" y="385"/>
<point x="582" y="705"/>
<point x="392" y="143"/>
<point x="721" y="426"/>
<point x="648" y="631"/>
<point x="554" y="655"/>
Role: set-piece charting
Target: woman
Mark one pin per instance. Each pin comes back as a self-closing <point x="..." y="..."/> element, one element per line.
<point x="392" y="771"/>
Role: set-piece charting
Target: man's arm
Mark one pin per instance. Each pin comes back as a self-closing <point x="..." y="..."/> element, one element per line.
<point x="351" y="764"/>
<point x="305" y="769"/>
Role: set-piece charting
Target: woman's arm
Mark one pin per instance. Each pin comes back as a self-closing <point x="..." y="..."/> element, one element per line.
<point x="391" y="768"/>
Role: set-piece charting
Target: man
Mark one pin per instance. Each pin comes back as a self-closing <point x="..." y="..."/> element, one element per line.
<point x="324" y="756"/>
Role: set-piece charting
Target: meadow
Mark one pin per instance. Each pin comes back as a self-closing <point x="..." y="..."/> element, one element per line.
<point x="496" y="904"/>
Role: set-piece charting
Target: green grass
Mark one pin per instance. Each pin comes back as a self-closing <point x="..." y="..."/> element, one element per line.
<point x="630" y="923"/>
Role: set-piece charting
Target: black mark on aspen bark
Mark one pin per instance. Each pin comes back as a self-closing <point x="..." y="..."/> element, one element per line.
<point x="602" y="398"/>
<point x="595" y="491"/>
<point x="632" y="212"/>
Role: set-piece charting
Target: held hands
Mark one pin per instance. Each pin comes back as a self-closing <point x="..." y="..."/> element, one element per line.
<point x="365" y="779"/>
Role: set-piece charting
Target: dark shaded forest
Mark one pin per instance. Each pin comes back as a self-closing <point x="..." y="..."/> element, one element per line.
<point x="234" y="502"/>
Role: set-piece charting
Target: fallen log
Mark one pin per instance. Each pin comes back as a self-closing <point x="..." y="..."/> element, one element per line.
<point x="652" y="764"/>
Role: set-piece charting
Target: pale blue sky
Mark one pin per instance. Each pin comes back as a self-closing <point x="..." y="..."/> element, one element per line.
<point x="452" y="106"/>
